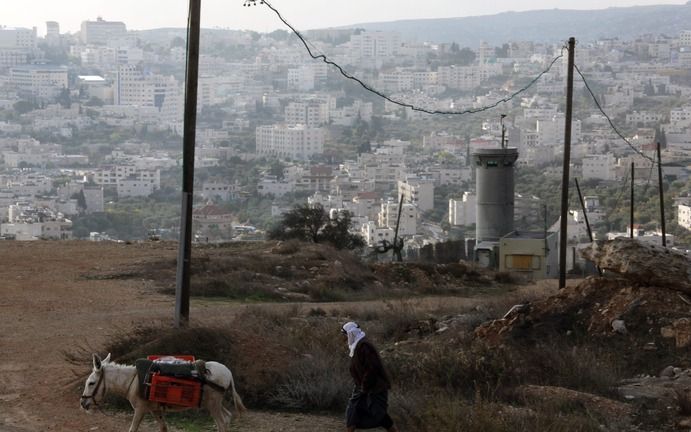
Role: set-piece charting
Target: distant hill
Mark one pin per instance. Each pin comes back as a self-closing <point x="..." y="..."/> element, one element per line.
<point x="544" y="25"/>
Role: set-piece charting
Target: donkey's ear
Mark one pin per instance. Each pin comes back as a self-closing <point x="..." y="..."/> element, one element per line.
<point x="107" y="359"/>
<point x="97" y="362"/>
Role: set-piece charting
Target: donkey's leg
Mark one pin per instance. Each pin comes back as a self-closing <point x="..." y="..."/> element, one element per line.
<point x="214" y="404"/>
<point x="158" y="415"/>
<point x="137" y="418"/>
<point x="227" y="415"/>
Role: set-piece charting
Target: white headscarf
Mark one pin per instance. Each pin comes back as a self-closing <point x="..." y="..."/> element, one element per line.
<point x="355" y="335"/>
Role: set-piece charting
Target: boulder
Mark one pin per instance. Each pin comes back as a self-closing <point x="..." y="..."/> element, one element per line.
<point x="642" y="263"/>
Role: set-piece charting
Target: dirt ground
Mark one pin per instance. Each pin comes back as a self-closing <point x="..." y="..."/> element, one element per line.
<point x="51" y="303"/>
<point x="49" y="306"/>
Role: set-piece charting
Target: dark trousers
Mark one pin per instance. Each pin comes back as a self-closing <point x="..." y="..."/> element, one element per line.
<point x="368" y="410"/>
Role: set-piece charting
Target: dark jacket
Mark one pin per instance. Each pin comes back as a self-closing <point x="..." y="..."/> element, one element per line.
<point x="367" y="369"/>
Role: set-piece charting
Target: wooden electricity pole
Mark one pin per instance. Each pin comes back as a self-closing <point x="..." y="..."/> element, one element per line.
<point x="585" y="216"/>
<point x="662" y="195"/>
<point x="182" y="287"/>
<point x="585" y="213"/>
<point x="567" y="160"/>
<point x="632" y="197"/>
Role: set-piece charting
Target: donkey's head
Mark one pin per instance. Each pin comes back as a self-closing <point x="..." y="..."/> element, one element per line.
<point x="95" y="387"/>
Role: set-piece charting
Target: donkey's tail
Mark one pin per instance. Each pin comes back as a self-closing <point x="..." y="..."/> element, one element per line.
<point x="237" y="400"/>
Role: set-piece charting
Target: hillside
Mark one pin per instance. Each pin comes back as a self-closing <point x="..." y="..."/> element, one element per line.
<point x="606" y="353"/>
<point x="544" y="25"/>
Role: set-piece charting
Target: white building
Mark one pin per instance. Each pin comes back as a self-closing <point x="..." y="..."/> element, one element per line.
<point x="219" y="191"/>
<point x="643" y="117"/>
<point x="419" y="192"/>
<point x="301" y="79"/>
<point x="134" y="87"/>
<point x="96" y="86"/>
<point x="100" y="32"/>
<point x="128" y="180"/>
<point x="290" y="141"/>
<point x="134" y="187"/>
<point x="270" y="185"/>
<point x="599" y="167"/>
<point x="17" y="38"/>
<point x="11" y="57"/>
<point x="684" y="216"/>
<point x="39" y="81"/>
<point x="374" y="235"/>
<point x="680" y="115"/>
<point x="388" y="217"/>
<point x="685" y="38"/>
<point x="311" y="114"/>
<point x="52" y="33"/>
<point x="374" y="48"/>
<point x="463" y="212"/>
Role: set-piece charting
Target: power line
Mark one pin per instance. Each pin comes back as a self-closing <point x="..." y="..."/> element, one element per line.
<point x="370" y="89"/>
<point x="650" y="176"/>
<point x="615" y="207"/>
<point x="611" y="123"/>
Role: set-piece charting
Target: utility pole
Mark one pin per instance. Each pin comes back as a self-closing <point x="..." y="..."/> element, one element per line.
<point x="567" y="161"/>
<point x="585" y="213"/>
<point x="662" y="195"/>
<point x="585" y="216"/>
<point x="631" y="211"/>
<point x="182" y="287"/>
<point x="396" y="247"/>
<point x="503" y="131"/>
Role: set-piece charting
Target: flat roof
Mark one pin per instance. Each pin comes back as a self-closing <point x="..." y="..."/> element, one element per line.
<point x="95" y="78"/>
<point x="527" y="235"/>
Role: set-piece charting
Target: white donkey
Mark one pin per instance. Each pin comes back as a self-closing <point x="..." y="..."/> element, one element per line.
<point x="109" y="377"/>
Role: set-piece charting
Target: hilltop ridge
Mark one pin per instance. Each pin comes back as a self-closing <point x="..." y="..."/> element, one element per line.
<point x="551" y="25"/>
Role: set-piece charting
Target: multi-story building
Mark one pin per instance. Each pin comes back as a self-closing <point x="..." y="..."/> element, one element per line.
<point x="374" y="48"/>
<point x="685" y="38"/>
<point x="684" y="216"/>
<point x="134" y="187"/>
<point x="100" y="32"/>
<point x="419" y="192"/>
<point x="388" y="217"/>
<point x="17" y="38"/>
<point x="599" y="167"/>
<point x="128" y="180"/>
<point x="271" y="185"/>
<point x="52" y="33"/>
<point x="216" y="190"/>
<point x="290" y="141"/>
<point x="12" y="57"/>
<point x="311" y="114"/>
<point x="463" y="212"/>
<point x="442" y="141"/>
<point x="374" y="235"/>
<point x="643" y="117"/>
<point x="133" y="87"/>
<point x="460" y="77"/>
<point x="39" y="81"/>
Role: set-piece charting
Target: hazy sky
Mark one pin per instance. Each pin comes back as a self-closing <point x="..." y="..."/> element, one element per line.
<point x="304" y="14"/>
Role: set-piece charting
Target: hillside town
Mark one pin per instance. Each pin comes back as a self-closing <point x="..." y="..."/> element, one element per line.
<point x="91" y="128"/>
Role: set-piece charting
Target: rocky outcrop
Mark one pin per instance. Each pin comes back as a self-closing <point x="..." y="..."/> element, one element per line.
<point x="642" y="263"/>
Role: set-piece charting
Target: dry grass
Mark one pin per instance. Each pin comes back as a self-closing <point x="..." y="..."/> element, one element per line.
<point x="293" y="358"/>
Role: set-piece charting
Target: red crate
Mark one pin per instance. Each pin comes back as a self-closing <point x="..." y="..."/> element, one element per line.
<point x="175" y="391"/>
<point x="189" y="358"/>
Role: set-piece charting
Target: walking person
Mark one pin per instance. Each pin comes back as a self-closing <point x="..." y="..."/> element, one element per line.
<point x="368" y="405"/>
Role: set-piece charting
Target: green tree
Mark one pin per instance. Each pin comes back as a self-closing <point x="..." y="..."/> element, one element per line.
<point x="64" y="98"/>
<point x="314" y="225"/>
<point x="23" y="107"/>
